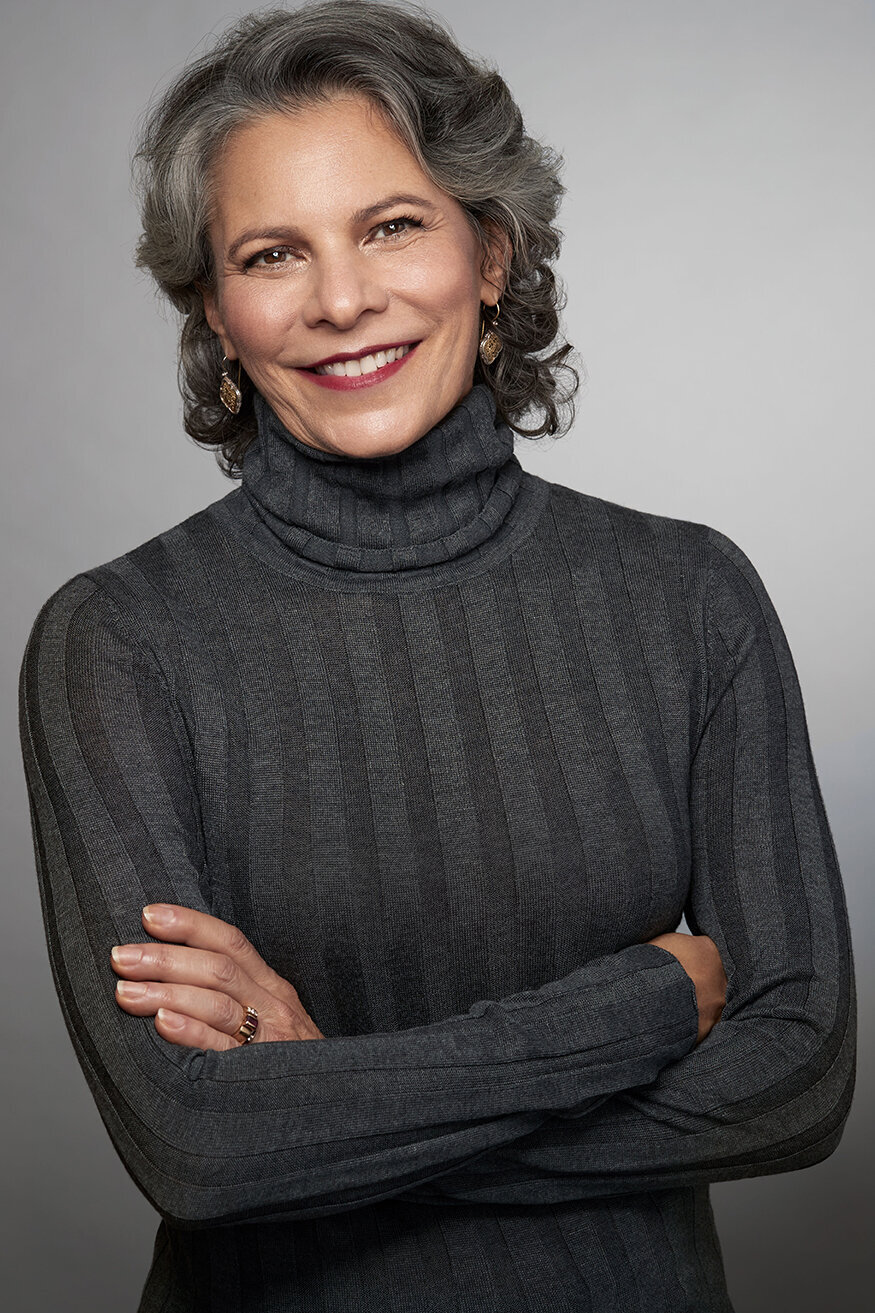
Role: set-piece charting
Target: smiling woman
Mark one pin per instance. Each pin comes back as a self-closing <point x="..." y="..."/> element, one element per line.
<point x="312" y="286"/>
<point x="414" y="139"/>
<point x="368" y="800"/>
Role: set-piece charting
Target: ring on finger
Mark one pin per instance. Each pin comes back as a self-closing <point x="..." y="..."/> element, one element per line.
<point x="246" y="1032"/>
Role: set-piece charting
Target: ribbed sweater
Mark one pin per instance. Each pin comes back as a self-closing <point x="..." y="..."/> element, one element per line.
<point x="449" y="743"/>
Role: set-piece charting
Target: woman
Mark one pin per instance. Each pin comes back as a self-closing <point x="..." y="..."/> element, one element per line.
<point x="401" y="749"/>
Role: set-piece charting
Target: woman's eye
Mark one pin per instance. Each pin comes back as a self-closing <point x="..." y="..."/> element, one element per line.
<point x="398" y="227"/>
<point x="277" y="255"/>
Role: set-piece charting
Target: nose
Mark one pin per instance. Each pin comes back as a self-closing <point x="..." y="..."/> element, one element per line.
<point x="342" y="287"/>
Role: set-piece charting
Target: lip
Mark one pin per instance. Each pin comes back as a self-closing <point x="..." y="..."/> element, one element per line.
<point x="338" y="383"/>
<point x="359" y="355"/>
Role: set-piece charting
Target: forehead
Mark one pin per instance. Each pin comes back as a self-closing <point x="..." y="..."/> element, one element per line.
<point x="339" y="155"/>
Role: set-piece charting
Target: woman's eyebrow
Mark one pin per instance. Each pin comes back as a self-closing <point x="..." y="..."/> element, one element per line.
<point x="402" y="198"/>
<point x="283" y="233"/>
<point x="277" y="234"/>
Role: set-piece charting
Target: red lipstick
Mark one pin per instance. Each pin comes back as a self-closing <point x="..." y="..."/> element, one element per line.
<point x="340" y="383"/>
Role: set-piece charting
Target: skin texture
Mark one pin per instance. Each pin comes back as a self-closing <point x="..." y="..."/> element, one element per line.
<point x="319" y="279"/>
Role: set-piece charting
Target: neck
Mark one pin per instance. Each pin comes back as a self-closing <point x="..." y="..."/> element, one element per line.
<point x="435" y="501"/>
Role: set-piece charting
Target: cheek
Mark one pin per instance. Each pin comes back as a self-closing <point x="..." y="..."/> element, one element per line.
<point x="258" y="316"/>
<point x="446" y="285"/>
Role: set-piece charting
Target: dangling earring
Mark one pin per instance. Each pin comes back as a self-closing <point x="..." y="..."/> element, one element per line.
<point x="490" y="342"/>
<point x="229" y="392"/>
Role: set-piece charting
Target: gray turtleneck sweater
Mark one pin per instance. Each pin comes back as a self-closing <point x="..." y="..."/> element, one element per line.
<point x="449" y="743"/>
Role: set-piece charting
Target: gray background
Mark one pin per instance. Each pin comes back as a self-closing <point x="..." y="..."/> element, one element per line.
<point x="719" y="262"/>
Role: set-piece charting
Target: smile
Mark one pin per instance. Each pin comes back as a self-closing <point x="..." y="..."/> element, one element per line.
<point x="372" y="366"/>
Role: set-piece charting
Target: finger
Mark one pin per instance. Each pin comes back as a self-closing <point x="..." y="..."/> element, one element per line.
<point x="192" y="1034"/>
<point x="178" y="965"/>
<point x="219" y="1011"/>
<point x="183" y="925"/>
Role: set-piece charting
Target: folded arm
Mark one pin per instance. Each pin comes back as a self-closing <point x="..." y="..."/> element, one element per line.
<point x="769" y="1088"/>
<point x="289" y="1128"/>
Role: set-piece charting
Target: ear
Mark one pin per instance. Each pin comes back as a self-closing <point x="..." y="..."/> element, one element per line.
<point x="496" y="262"/>
<point x="214" y="319"/>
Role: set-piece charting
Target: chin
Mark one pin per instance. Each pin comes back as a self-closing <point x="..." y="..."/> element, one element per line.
<point x="377" y="441"/>
<point x="384" y="433"/>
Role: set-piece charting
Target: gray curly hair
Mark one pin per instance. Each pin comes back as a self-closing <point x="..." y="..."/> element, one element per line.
<point x="455" y="115"/>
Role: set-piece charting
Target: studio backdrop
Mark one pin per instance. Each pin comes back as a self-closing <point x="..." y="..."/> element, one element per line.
<point x="718" y="260"/>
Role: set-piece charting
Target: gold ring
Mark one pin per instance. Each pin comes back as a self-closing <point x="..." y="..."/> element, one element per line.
<point x="246" y="1032"/>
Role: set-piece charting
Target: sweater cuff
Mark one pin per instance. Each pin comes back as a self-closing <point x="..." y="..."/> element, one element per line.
<point x="682" y="994"/>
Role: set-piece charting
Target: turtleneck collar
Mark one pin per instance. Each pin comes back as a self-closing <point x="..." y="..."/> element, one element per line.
<point x="433" y="502"/>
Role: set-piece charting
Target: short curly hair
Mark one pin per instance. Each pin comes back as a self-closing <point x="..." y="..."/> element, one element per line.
<point x="455" y="115"/>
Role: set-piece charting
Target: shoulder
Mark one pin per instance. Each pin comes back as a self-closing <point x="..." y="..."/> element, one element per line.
<point x="637" y="552"/>
<point x="591" y="526"/>
<point x="132" y="598"/>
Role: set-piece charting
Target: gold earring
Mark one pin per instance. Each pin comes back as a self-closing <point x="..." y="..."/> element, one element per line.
<point x="229" y="392"/>
<point x="490" y="342"/>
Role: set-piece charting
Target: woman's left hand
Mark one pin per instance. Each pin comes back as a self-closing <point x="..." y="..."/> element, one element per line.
<point x="199" y="980"/>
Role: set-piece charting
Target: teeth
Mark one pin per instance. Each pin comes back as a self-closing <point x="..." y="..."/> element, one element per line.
<point x="364" y="364"/>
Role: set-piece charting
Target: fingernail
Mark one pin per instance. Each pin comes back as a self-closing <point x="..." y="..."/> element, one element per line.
<point x="126" y="955"/>
<point x="131" y="989"/>
<point x="158" y="913"/>
<point x="171" y="1020"/>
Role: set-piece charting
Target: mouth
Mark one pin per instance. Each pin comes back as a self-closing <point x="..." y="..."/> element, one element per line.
<point x="373" y="365"/>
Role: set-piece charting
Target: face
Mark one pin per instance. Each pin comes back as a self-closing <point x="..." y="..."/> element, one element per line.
<point x="347" y="284"/>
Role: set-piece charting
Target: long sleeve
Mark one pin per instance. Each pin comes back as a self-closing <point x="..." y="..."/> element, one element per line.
<point x="770" y="1087"/>
<point x="273" y="1130"/>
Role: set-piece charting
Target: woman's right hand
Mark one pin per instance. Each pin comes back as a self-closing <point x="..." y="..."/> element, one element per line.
<point x="198" y="980"/>
<point x="700" y="958"/>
